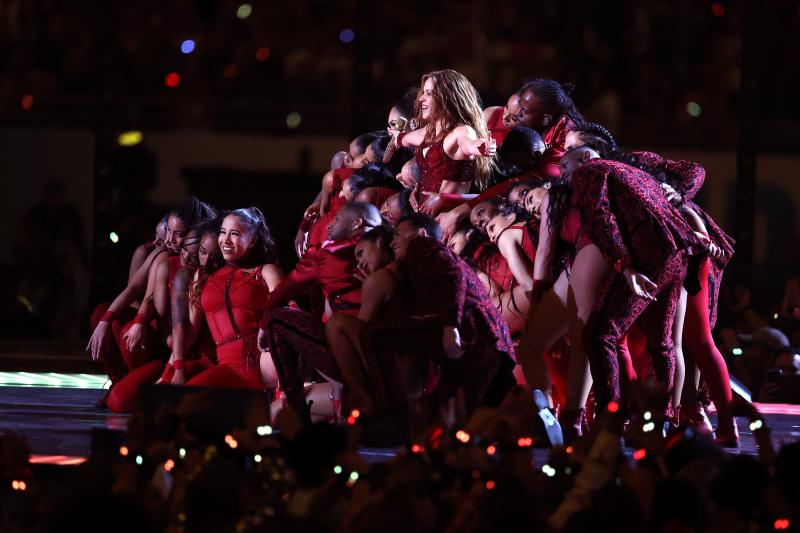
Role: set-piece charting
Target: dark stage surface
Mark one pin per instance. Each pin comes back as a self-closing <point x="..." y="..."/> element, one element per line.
<point x="58" y="421"/>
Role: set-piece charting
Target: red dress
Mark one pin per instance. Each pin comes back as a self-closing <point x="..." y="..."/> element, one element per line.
<point x="233" y="301"/>
<point x="436" y="166"/>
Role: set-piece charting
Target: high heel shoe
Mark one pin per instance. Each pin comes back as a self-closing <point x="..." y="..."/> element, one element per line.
<point x="695" y="415"/>
<point x="727" y="435"/>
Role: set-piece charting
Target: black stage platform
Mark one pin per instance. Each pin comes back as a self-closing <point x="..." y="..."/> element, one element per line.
<point x="58" y="422"/>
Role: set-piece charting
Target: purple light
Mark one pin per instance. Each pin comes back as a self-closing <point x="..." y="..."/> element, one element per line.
<point x="187" y="46"/>
<point x="347" y="35"/>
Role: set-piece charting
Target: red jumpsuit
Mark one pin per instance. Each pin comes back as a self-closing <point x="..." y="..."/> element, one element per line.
<point x="632" y="223"/>
<point x="233" y="301"/>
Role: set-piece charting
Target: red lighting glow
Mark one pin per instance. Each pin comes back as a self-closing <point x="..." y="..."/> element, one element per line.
<point x="229" y="71"/>
<point x="169" y="465"/>
<point x="717" y="9"/>
<point x="782" y="523"/>
<point x="490" y="485"/>
<point x="462" y="436"/>
<point x="27" y="102"/>
<point x="416" y="448"/>
<point x="570" y="449"/>
<point x="524" y="442"/>
<point x="123" y="451"/>
<point x="172" y="80"/>
<point x="613" y="407"/>
<point x="491" y="449"/>
<point x="60" y="460"/>
<point x="263" y="53"/>
<point x="639" y="454"/>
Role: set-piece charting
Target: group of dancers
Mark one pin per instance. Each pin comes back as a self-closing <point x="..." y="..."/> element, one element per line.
<point x="457" y="254"/>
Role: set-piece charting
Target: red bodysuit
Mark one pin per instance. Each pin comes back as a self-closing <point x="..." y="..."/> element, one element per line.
<point x="436" y="166"/>
<point x="233" y="301"/>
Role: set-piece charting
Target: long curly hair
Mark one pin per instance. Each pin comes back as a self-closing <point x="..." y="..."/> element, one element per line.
<point x="215" y="260"/>
<point x="456" y="103"/>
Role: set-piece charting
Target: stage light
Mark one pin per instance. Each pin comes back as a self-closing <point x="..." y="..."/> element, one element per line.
<point x="640" y="454"/>
<point x="187" y="46"/>
<point x="755" y="425"/>
<point x="462" y="436"/>
<point x="264" y="430"/>
<point x="782" y="523"/>
<point x="169" y="464"/>
<point x="549" y="471"/>
<point x="257" y="458"/>
<point x="693" y="108"/>
<point x="648" y="415"/>
<point x="355" y="413"/>
<point x="113" y="237"/>
<point x="524" y="442"/>
<point x="123" y="451"/>
<point x="491" y="449"/>
<point x="416" y="448"/>
<point x="347" y="35"/>
<point x="139" y="460"/>
<point x="293" y="119"/>
<point x="130" y="138"/>
<point x="230" y="441"/>
<point x="172" y="80"/>
<point x="337" y="469"/>
<point x="736" y="352"/>
<point x="182" y="453"/>
<point x="490" y="485"/>
<point x="613" y="407"/>
<point x="229" y="71"/>
<point x="27" y="102"/>
<point x="244" y="11"/>
<point x="718" y="10"/>
<point x="775" y="316"/>
<point x="353" y="476"/>
<point x="570" y="449"/>
<point x="263" y="53"/>
<point x="650" y="426"/>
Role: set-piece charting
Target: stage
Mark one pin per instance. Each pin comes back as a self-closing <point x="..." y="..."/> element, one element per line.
<point x="56" y="412"/>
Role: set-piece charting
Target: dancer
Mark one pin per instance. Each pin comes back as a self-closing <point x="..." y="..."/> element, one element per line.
<point x="648" y="242"/>
<point x="233" y="299"/>
<point x="500" y="119"/>
<point x="123" y="397"/>
<point x="119" y="313"/>
<point x="452" y="147"/>
<point x="466" y="335"/>
<point x="292" y="334"/>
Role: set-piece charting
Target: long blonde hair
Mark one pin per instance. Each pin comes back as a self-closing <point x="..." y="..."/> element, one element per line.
<point x="456" y="103"/>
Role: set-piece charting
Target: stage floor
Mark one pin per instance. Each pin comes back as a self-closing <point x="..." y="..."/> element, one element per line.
<point x="58" y="421"/>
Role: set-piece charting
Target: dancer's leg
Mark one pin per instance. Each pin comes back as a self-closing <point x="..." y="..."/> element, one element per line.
<point x="544" y="327"/>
